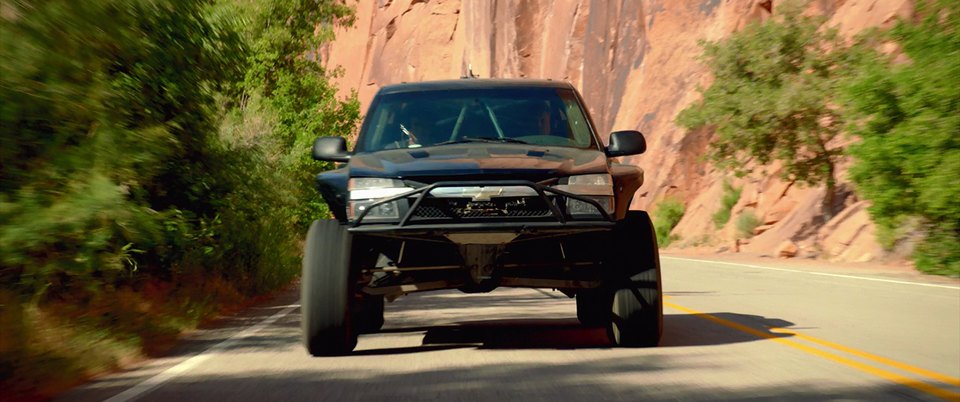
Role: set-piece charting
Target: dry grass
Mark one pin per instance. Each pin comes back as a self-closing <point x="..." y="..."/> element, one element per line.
<point x="49" y="347"/>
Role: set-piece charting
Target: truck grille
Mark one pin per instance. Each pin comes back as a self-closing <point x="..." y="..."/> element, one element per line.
<point x="465" y="208"/>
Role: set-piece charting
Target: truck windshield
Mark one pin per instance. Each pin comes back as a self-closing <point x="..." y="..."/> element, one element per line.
<point x="540" y="116"/>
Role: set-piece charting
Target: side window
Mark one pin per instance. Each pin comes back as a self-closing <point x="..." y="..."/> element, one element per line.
<point x="379" y="123"/>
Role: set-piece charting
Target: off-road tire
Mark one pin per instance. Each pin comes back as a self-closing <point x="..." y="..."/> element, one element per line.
<point x="325" y="291"/>
<point x="636" y="290"/>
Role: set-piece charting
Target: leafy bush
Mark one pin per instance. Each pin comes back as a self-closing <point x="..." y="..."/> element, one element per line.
<point x="730" y="197"/>
<point x="117" y="160"/>
<point x="908" y="119"/>
<point x="136" y="196"/>
<point x="746" y="222"/>
<point x="109" y="129"/>
<point x="667" y="215"/>
<point x="785" y="88"/>
<point x="773" y="98"/>
<point x="295" y="90"/>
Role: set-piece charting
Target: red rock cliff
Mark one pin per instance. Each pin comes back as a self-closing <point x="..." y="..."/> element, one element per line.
<point x="635" y="62"/>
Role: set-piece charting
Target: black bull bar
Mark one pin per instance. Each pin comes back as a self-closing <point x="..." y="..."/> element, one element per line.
<point x="560" y="220"/>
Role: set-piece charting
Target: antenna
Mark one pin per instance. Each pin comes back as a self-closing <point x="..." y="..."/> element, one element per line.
<point x="469" y="73"/>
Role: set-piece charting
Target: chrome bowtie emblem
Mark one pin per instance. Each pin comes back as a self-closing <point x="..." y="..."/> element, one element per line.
<point x="487" y="192"/>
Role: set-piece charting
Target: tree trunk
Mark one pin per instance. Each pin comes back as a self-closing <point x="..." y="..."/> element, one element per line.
<point x="828" y="198"/>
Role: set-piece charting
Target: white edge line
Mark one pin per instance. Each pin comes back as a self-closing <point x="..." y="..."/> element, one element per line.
<point x="172" y="372"/>
<point x="816" y="273"/>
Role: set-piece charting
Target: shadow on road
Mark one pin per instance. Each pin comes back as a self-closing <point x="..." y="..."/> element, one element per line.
<point x="563" y="333"/>
<point x="487" y="329"/>
<point x="701" y="330"/>
<point x="448" y="362"/>
<point x="567" y="333"/>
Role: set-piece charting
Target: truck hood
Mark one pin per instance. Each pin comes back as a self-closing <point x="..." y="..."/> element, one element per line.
<point x="478" y="161"/>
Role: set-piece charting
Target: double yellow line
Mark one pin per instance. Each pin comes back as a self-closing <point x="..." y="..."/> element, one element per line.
<point x="879" y="372"/>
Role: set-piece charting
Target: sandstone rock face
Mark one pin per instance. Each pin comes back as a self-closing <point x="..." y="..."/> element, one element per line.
<point x="787" y="249"/>
<point x="850" y="235"/>
<point x="635" y="62"/>
<point x="762" y="228"/>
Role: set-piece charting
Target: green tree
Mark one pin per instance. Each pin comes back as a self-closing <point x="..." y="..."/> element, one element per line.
<point x="282" y="70"/>
<point x="132" y="198"/>
<point x="108" y="119"/>
<point x="114" y="164"/>
<point x="908" y="119"/>
<point x="772" y="98"/>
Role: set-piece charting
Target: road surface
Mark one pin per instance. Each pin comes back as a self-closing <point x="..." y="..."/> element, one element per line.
<point x="733" y="331"/>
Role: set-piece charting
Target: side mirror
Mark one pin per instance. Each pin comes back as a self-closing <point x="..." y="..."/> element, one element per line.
<point x="333" y="149"/>
<point x="626" y="142"/>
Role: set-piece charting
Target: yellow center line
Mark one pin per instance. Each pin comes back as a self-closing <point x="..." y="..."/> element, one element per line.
<point x="879" y="359"/>
<point x="891" y="376"/>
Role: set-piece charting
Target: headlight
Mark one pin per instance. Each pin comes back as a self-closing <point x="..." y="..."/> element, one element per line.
<point x="592" y="180"/>
<point x="367" y="190"/>
<point x="597" y="187"/>
<point x="577" y="207"/>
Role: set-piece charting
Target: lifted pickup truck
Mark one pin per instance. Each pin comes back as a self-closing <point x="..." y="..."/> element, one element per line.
<point x="474" y="184"/>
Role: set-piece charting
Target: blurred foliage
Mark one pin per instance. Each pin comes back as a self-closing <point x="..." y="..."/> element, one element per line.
<point x="155" y="144"/>
<point x="785" y="88"/>
<point x="772" y="98"/>
<point x="907" y="116"/>
<point x="745" y="223"/>
<point x="294" y="89"/>
<point x="730" y="197"/>
<point x="667" y="215"/>
<point x="110" y="135"/>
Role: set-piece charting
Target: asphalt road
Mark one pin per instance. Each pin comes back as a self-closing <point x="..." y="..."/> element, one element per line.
<point x="732" y="332"/>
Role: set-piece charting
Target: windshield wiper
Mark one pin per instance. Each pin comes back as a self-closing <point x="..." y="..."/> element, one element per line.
<point x="483" y="139"/>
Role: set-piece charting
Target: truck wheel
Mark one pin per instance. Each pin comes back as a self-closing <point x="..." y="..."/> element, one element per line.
<point x="371" y="314"/>
<point x="637" y="305"/>
<point x="324" y="291"/>
<point x="593" y="307"/>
